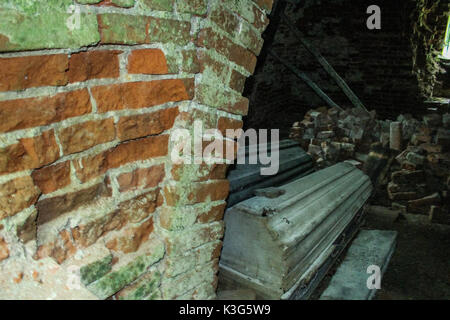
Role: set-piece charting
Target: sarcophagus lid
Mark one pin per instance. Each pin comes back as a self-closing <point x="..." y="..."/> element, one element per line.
<point x="294" y="162"/>
<point x="273" y="240"/>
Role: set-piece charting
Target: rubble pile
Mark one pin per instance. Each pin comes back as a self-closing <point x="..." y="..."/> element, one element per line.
<point x="407" y="159"/>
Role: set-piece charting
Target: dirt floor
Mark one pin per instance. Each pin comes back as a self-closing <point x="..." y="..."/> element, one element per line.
<point x="420" y="266"/>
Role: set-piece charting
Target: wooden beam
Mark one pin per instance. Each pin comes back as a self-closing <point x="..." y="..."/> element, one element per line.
<point x="307" y="80"/>
<point x="340" y="82"/>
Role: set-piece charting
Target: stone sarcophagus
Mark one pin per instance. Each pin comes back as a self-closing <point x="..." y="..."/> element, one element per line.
<point x="244" y="179"/>
<point x="277" y="245"/>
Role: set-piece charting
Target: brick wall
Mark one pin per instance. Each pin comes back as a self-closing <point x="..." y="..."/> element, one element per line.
<point x="380" y="66"/>
<point x="90" y="93"/>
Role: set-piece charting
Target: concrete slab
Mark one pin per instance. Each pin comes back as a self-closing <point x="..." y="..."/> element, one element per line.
<point x="370" y="248"/>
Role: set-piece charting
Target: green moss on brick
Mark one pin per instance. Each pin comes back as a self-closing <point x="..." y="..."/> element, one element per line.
<point x="161" y="5"/>
<point x="197" y="7"/>
<point x="124" y="3"/>
<point x="29" y="25"/>
<point x="165" y="31"/>
<point x="96" y="270"/>
<point x="116" y="280"/>
<point x="123" y="29"/>
<point x="143" y="288"/>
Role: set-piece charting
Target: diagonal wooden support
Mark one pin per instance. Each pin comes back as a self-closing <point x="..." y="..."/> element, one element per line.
<point x="340" y="82"/>
<point x="307" y="80"/>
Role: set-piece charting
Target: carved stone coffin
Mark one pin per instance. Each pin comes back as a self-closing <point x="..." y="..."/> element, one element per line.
<point x="275" y="245"/>
<point x="246" y="178"/>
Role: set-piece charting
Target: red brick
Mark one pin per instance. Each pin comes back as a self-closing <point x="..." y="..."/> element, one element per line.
<point x="132" y="238"/>
<point x="32" y="112"/>
<point x="142" y="178"/>
<point x="52" y="178"/>
<point x="94" y="65"/>
<point x="33" y="71"/>
<point x="147" y="61"/>
<point x="29" y="153"/>
<point x="16" y="195"/>
<point x="203" y="172"/>
<point x="4" y="251"/>
<point x="141" y="207"/>
<point x="215" y="214"/>
<point x="85" y="135"/>
<point x="136" y="150"/>
<point x="229" y="123"/>
<point x="60" y="250"/>
<point x="137" y="95"/>
<point x="237" y="81"/>
<point x="52" y="208"/>
<point x="206" y="62"/>
<point x="138" y="126"/>
<point x="212" y="40"/>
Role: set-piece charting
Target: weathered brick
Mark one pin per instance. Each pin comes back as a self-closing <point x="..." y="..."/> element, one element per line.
<point x="225" y="100"/>
<point x="122" y="28"/>
<point x="171" y="288"/>
<point x="141" y="207"/>
<point x="16" y="195"/>
<point x="229" y="123"/>
<point x="51" y="208"/>
<point x="161" y="5"/>
<point x="116" y="3"/>
<point x="4" y="251"/>
<point x="176" y="265"/>
<point x="33" y="71"/>
<point x="196" y="7"/>
<point x="198" y="173"/>
<point x="131" y="239"/>
<point x="180" y="218"/>
<point x="52" y="178"/>
<point x="178" y="243"/>
<point x="87" y="234"/>
<point x="146" y="287"/>
<point x="118" y="279"/>
<point x="85" y="135"/>
<point x="196" y="192"/>
<point x="131" y="29"/>
<point x="26" y="228"/>
<point x="212" y="40"/>
<point x="237" y="81"/>
<point x="147" y="61"/>
<point x="137" y="95"/>
<point x="31" y="25"/>
<point x="94" y="65"/>
<point x="95" y="270"/>
<point x="169" y="31"/>
<point x="226" y="20"/>
<point x="29" y="153"/>
<point x="136" y="150"/>
<point x="212" y="69"/>
<point x="183" y="61"/>
<point x="138" y="126"/>
<point x="142" y="178"/>
<point x="250" y="12"/>
<point x="61" y="249"/>
<point x="32" y="112"/>
<point x="212" y="215"/>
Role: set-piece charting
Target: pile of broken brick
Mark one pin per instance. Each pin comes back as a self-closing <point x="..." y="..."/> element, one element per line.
<point x="408" y="159"/>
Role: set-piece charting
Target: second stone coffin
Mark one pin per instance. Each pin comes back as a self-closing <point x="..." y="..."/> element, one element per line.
<point x="271" y="244"/>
